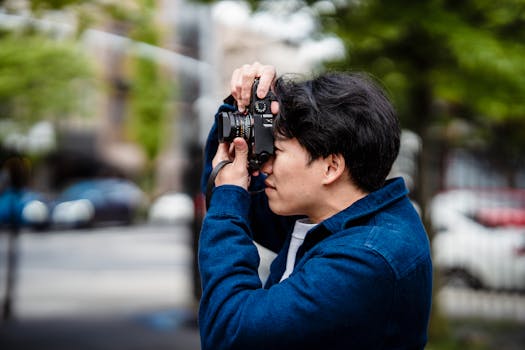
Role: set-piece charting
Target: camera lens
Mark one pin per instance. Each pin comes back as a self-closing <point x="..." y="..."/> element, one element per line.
<point x="232" y="125"/>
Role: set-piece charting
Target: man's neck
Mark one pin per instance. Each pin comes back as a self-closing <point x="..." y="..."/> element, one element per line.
<point x="336" y="198"/>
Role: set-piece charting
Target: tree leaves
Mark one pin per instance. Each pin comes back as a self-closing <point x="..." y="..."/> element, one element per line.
<point x="40" y="78"/>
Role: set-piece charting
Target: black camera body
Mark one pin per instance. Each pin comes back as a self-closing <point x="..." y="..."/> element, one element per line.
<point x="255" y="126"/>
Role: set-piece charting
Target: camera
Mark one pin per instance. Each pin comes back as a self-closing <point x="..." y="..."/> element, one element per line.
<point x="255" y="126"/>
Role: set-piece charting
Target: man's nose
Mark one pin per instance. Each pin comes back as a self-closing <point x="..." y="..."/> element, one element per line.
<point x="267" y="166"/>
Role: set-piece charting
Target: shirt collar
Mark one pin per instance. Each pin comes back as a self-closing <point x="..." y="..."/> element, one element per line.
<point x="393" y="190"/>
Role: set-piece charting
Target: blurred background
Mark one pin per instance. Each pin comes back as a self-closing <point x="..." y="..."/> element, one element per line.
<point x="104" y="109"/>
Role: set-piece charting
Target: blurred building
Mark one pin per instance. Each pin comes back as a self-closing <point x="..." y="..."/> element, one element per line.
<point x="201" y="46"/>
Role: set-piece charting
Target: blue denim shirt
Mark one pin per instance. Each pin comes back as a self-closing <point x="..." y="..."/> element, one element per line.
<point x="362" y="279"/>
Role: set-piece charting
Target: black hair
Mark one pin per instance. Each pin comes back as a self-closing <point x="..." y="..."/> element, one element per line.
<point x="341" y="113"/>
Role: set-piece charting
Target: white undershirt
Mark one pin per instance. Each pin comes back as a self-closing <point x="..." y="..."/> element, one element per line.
<point x="302" y="226"/>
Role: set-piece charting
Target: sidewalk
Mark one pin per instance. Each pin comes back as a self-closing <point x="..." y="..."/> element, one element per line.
<point x="99" y="334"/>
<point x="109" y="289"/>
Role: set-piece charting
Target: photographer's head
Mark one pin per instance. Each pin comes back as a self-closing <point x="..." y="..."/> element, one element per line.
<point x="341" y="114"/>
<point x="336" y="137"/>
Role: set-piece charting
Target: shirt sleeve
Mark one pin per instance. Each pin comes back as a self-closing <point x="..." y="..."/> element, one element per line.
<point x="335" y="298"/>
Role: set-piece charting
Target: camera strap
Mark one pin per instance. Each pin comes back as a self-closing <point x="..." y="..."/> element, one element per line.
<point x="211" y="180"/>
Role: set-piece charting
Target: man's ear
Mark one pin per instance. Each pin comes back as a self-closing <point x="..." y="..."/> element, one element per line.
<point x="334" y="168"/>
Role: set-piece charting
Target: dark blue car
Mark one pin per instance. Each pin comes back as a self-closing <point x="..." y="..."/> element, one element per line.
<point x="97" y="201"/>
<point x="85" y="203"/>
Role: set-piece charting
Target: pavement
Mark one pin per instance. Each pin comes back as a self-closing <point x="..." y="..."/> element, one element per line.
<point x="100" y="334"/>
<point x="105" y="288"/>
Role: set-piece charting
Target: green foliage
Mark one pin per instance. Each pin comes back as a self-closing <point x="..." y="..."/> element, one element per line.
<point x="464" y="56"/>
<point x="488" y="74"/>
<point x="149" y="94"/>
<point x="40" y="78"/>
<point x="37" y="5"/>
<point x="479" y="334"/>
<point x="463" y="52"/>
<point x="150" y="88"/>
<point x="253" y="3"/>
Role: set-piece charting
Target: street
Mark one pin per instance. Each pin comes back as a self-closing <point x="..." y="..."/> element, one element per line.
<point x="123" y="271"/>
<point x="112" y="287"/>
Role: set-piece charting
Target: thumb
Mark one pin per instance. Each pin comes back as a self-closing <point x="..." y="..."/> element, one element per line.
<point x="241" y="152"/>
<point x="236" y="173"/>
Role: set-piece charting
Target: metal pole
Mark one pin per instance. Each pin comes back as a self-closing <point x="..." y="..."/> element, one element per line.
<point x="12" y="266"/>
<point x="16" y="176"/>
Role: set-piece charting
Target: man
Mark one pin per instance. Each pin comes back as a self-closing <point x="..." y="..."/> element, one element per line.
<point x="353" y="269"/>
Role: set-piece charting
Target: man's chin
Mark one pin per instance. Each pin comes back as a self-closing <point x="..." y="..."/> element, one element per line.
<point x="276" y="208"/>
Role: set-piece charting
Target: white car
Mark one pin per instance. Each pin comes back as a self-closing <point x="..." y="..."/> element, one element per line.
<point x="172" y="208"/>
<point x="471" y="251"/>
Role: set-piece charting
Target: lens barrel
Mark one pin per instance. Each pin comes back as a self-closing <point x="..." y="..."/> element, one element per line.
<point x="232" y="125"/>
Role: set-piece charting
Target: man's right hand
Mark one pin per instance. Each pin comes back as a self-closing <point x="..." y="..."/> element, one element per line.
<point x="242" y="81"/>
<point x="235" y="173"/>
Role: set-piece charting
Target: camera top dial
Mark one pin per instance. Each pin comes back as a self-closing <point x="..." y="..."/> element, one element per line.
<point x="261" y="107"/>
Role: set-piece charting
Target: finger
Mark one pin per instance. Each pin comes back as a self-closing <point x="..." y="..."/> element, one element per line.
<point x="241" y="154"/>
<point x="275" y="107"/>
<point x="247" y="78"/>
<point x="222" y="154"/>
<point x="257" y="67"/>
<point x="267" y="76"/>
<point x="235" y="84"/>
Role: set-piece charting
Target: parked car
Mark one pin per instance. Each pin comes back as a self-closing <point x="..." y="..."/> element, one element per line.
<point x="24" y="207"/>
<point x="474" y="249"/>
<point x="509" y="217"/>
<point x="97" y="201"/>
<point x="172" y="208"/>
